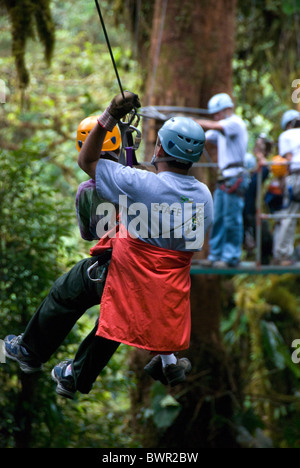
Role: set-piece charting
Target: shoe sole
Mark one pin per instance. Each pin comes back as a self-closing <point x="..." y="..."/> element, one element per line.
<point x="24" y="367"/>
<point x="180" y="378"/>
<point x="60" y="390"/>
<point x="155" y="371"/>
<point x="177" y="380"/>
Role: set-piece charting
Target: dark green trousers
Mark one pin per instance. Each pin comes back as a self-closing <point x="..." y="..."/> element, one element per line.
<point x="70" y="296"/>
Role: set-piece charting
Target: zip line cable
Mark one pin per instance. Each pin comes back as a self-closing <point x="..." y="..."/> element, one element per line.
<point x="109" y="47"/>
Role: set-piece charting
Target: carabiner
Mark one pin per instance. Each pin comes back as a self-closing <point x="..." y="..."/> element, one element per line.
<point x="138" y="137"/>
<point x="101" y="278"/>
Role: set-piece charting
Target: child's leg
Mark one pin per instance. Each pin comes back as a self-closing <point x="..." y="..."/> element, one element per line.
<point x="92" y="356"/>
<point x="70" y="296"/>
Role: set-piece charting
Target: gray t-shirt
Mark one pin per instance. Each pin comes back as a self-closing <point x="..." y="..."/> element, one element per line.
<point x="232" y="145"/>
<point x="168" y="210"/>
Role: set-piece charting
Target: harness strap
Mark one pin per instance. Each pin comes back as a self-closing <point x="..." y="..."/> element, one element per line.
<point x="233" y="188"/>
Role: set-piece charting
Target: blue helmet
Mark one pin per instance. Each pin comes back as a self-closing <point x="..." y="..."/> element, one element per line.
<point x="288" y="116"/>
<point x="219" y="102"/>
<point x="182" y="138"/>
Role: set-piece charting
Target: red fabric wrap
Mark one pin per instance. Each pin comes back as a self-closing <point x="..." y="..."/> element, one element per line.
<point x="146" y="298"/>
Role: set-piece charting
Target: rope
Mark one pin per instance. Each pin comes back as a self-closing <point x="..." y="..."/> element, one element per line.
<point x="109" y="47"/>
<point x="154" y="112"/>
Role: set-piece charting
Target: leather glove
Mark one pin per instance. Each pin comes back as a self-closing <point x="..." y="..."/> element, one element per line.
<point x="119" y="106"/>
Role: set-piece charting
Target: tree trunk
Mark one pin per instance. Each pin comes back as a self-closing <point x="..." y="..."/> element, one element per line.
<point x="196" y="51"/>
<point x="189" y="62"/>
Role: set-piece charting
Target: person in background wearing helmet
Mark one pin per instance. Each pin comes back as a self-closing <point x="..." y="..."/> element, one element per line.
<point x="229" y="133"/>
<point x="275" y="191"/>
<point x="146" y="298"/>
<point x="289" y="148"/>
<point x="254" y="163"/>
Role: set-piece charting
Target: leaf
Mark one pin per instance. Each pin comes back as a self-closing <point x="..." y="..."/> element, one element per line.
<point x="276" y="348"/>
<point x="272" y="340"/>
<point x="165" y="408"/>
<point x="165" y="417"/>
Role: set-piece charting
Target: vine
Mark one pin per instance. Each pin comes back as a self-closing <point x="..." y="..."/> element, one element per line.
<point x="28" y="19"/>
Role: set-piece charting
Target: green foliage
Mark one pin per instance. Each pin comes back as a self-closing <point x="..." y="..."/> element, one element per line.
<point x="32" y="256"/>
<point x="164" y="407"/>
<point x="31" y="233"/>
<point x="260" y="331"/>
<point x="266" y="61"/>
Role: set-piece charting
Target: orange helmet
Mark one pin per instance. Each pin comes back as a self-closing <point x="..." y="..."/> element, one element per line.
<point x="279" y="166"/>
<point x="112" y="139"/>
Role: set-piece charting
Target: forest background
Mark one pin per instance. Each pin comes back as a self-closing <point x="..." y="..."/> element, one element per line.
<point x="244" y="391"/>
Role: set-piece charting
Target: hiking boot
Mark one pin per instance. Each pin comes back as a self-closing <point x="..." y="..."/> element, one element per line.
<point x="14" y="350"/>
<point x="65" y="383"/>
<point x="154" y="369"/>
<point x="176" y="373"/>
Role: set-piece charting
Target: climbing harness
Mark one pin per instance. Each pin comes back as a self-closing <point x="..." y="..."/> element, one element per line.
<point x="129" y="145"/>
<point x="225" y="187"/>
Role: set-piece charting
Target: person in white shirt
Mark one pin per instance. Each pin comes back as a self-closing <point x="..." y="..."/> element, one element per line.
<point x="229" y="133"/>
<point x="289" y="148"/>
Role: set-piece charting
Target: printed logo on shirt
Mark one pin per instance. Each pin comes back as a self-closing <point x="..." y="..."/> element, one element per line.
<point x="184" y="199"/>
<point x="176" y="221"/>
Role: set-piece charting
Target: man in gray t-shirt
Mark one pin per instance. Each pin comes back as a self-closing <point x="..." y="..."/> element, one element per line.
<point x="163" y="220"/>
<point x="229" y="133"/>
<point x="168" y="210"/>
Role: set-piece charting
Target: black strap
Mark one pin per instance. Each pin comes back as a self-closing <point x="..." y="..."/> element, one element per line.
<point x="104" y="257"/>
<point x="229" y="166"/>
<point x="129" y="138"/>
